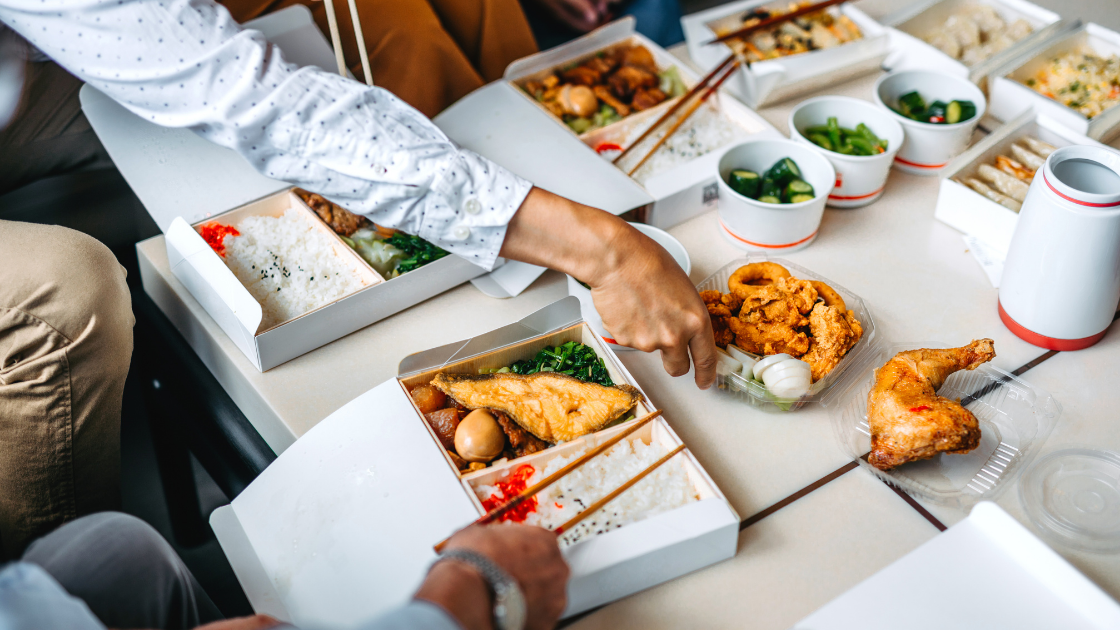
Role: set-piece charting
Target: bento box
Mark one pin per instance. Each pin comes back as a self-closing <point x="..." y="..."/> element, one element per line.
<point x="928" y="35"/>
<point x="1011" y="96"/>
<point x="505" y="123"/>
<point x="774" y="80"/>
<point x="267" y="327"/>
<point x="975" y="214"/>
<point x="1015" y="420"/>
<point x="754" y="392"/>
<point x="370" y="489"/>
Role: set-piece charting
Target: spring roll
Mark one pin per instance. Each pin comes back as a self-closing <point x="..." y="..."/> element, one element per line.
<point x="1039" y="147"/>
<point x="1003" y="182"/>
<point x="983" y="189"/>
<point x="1031" y="160"/>
<point x="1014" y="169"/>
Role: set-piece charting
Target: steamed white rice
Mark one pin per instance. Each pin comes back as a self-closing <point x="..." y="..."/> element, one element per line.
<point x="288" y="266"/>
<point x="665" y="489"/>
<point x="705" y="131"/>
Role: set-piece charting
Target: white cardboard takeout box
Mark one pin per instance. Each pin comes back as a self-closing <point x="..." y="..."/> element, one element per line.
<point x="995" y="572"/>
<point x="183" y="179"/>
<point x="340" y="527"/>
<point x="974" y="214"/>
<point x="775" y="80"/>
<point x="1009" y="97"/>
<point x="908" y="27"/>
<point x="503" y="123"/>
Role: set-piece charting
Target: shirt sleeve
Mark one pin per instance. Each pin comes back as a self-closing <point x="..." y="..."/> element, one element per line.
<point x="416" y="615"/>
<point x="186" y="63"/>
<point x="30" y="599"/>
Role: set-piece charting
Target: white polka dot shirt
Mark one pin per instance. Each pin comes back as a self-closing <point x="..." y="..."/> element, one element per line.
<point x="186" y="63"/>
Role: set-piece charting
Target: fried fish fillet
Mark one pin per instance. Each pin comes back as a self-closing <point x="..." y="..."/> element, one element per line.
<point x="553" y="407"/>
<point x="908" y="420"/>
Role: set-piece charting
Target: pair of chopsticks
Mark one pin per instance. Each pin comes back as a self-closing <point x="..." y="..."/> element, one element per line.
<point x="531" y="491"/>
<point x="723" y="66"/>
<point x="336" y="41"/>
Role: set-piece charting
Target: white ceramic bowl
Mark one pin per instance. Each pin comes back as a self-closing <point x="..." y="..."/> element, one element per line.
<point x="860" y="179"/>
<point x="766" y="227"/>
<point x="929" y="147"/>
<point x="587" y="305"/>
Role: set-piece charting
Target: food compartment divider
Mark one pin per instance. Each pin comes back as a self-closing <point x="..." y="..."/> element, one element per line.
<point x="754" y="392"/>
<point x="526" y="349"/>
<point x="1015" y="419"/>
<point x="275" y="205"/>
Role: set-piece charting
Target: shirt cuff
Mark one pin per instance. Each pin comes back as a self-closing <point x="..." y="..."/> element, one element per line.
<point x="476" y="201"/>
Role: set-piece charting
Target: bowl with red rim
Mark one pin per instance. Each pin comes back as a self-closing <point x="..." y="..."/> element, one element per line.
<point x="860" y="179"/>
<point x="929" y="146"/>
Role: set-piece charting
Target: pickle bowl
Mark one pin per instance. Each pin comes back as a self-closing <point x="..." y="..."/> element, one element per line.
<point x="582" y="292"/>
<point x="758" y="226"/>
<point x="929" y="147"/>
<point x="860" y="179"/>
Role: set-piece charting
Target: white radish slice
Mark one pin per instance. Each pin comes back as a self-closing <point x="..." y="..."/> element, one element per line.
<point x="726" y="364"/>
<point x="760" y="367"/>
<point x="792" y="367"/>
<point x="793" y="386"/>
<point x="742" y="357"/>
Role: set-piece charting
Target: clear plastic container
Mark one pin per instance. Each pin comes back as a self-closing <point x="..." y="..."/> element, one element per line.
<point x="753" y="391"/>
<point x="1015" y="419"/>
<point x="1073" y="498"/>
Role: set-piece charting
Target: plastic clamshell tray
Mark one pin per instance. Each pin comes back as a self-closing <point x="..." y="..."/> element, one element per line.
<point x="239" y="315"/>
<point x="775" y="80"/>
<point x="370" y="486"/>
<point x="970" y="212"/>
<point x="1015" y="419"/>
<point x="503" y="123"/>
<point x="754" y="392"/>
<point x="1009" y="97"/>
<point x="909" y="26"/>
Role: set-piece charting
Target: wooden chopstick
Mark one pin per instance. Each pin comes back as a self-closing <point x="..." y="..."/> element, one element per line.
<point x="676" y="106"/>
<point x="362" y="53"/>
<point x="336" y="41"/>
<point x="777" y="19"/>
<point x="596" y="506"/>
<point x="680" y="121"/>
<point x="489" y="517"/>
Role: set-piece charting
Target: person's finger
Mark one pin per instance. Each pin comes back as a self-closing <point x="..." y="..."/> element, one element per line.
<point x="579" y="14"/>
<point x="703" y="348"/>
<point x="675" y="359"/>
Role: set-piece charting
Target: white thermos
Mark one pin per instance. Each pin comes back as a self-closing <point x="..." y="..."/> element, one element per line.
<point x="1061" y="280"/>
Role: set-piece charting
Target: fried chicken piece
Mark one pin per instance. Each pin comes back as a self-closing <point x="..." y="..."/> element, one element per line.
<point x="647" y="98"/>
<point x="603" y="94"/>
<point x="834" y="333"/>
<point x="720" y="315"/>
<point x="341" y="220"/>
<point x="582" y="75"/>
<point x="908" y="420"/>
<point x="733" y="302"/>
<point x="771" y="317"/>
<point x="629" y="79"/>
<point x="521" y="441"/>
<point x="639" y="57"/>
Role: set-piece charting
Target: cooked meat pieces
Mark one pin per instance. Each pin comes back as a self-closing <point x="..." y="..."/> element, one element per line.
<point x="605" y="95"/>
<point x="757" y="335"/>
<point x="771" y="316"/>
<point x="341" y="220"/>
<point x="582" y="75"/>
<point x="647" y="98"/>
<point x="834" y="333"/>
<point x="908" y="420"/>
<point x="553" y="407"/>
<point x="639" y="57"/>
<point x="629" y="79"/>
<point x="720" y="315"/>
<point x="444" y="422"/>
<point x="520" y="441"/>
<point x="428" y="398"/>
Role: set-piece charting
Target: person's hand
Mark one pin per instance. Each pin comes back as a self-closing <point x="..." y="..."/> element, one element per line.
<point x="581" y="15"/>
<point x="256" y="622"/>
<point x="644" y="297"/>
<point x="531" y="555"/>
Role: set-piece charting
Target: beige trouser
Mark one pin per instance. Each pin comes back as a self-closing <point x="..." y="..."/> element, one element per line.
<point x="65" y="346"/>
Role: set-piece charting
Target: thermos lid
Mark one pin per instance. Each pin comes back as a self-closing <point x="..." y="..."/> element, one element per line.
<point x="1073" y="498"/>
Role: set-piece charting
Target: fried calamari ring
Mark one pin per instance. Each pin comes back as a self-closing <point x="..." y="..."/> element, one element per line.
<point x="829" y="295"/>
<point x="761" y="274"/>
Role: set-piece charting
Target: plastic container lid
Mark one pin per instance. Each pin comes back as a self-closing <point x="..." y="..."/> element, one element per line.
<point x="1073" y="497"/>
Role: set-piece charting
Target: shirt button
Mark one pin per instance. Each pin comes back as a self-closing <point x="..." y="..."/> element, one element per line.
<point x="461" y="233"/>
<point x="472" y="206"/>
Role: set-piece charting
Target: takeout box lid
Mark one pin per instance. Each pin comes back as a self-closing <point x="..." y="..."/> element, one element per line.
<point x="176" y="173"/>
<point x="503" y="124"/>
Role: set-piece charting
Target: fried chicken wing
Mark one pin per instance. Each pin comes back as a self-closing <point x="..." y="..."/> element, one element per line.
<point x="720" y="315"/>
<point x="834" y="331"/>
<point x="908" y="420"/>
<point x="771" y="315"/>
<point x="553" y="407"/>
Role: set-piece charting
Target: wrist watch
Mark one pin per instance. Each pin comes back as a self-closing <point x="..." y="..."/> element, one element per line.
<point x="509" y="601"/>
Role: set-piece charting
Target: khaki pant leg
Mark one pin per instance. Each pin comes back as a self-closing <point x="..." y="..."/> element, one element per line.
<point x="65" y="347"/>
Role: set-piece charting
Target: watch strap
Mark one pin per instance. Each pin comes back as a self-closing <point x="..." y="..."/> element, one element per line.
<point x="500" y="582"/>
